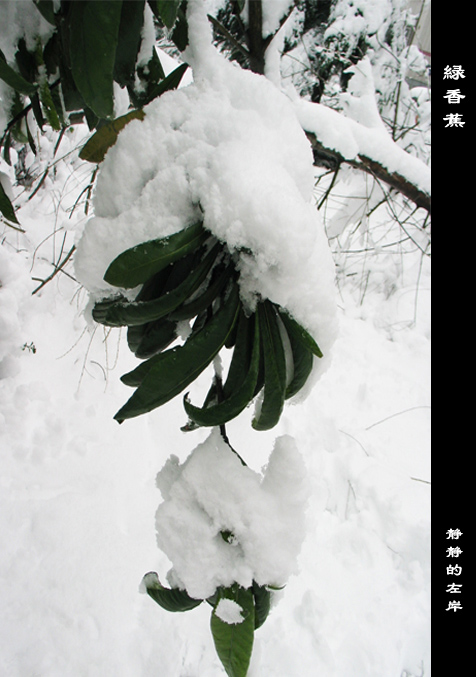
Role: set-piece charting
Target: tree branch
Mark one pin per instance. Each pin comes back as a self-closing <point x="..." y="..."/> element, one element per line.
<point x="328" y="157"/>
<point x="57" y="269"/>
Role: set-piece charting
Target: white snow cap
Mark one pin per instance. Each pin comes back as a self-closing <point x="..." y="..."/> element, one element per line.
<point x="211" y="495"/>
<point x="229" y="612"/>
<point x="229" y="149"/>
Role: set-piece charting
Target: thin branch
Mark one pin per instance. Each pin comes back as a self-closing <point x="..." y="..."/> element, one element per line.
<point x="399" y="413"/>
<point x="330" y="187"/>
<point x="219" y="388"/>
<point x="57" y="269"/>
<point x="10" y="225"/>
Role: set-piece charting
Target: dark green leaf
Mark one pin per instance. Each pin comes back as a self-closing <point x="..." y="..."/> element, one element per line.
<point x="136" y="265"/>
<point x="6" y="149"/>
<point x="204" y="300"/>
<point x="31" y="141"/>
<point x="242" y="352"/>
<point x="157" y="336"/>
<point x="262" y="603"/>
<point x="6" y="206"/>
<point x="274" y="369"/>
<point x="166" y="375"/>
<point x="237" y="400"/>
<point x="28" y="62"/>
<point x="49" y="107"/>
<point x="47" y="10"/>
<point x="72" y="99"/>
<point x="97" y="146"/>
<point x="234" y="642"/>
<point x="180" y="32"/>
<point x="300" y="333"/>
<point x="149" y="76"/>
<point x="52" y="54"/>
<point x="37" y="112"/>
<point x="156" y="89"/>
<point x="303" y="357"/>
<point x="129" y="41"/>
<point x="170" y="599"/>
<point x="14" y="79"/>
<point x="123" y="313"/>
<point x="167" y="10"/>
<point x="94" y="37"/>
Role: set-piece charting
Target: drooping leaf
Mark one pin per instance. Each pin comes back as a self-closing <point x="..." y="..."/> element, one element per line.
<point x="237" y="399"/>
<point x="6" y="206"/>
<point x="94" y="37"/>
<point x="234" y="641"/>
<point x="49" y="107"/>
<point x="149" y="75"/>
<point x="167" y="10"/>
<point x="136" y="265"/>
<point x="124" y="313"/>
<point x="47" y="10"/>
<point x="52" y="54"/>
<point x="300" y="333"/>
<point x="97" y="146"/>
<point x="71" y="96"/>
<point x="180" y="32"/>
<point x="242" y="352"/>
<point x="6" y="149"/>
<point x="164" y="376"/>
<point x="129" y="41"/>
<point x="37" y="111"/>
<point x="26" y="61"/>
<point x="156" y="337"/>
<point x="203" y="301"/>
<point x="302" y="355"/>
<point x="14" y="79"/>
<point x="274" y="369"/>
<point x="262" y="597"/>
<point x="31" y="140"/>
<point x="170" y="599"/>
<point x="167" y="84"/>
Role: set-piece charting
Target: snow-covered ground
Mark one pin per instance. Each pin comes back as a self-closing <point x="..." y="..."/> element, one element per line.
<point x="78" y="492"/>
<point x="79" y="498"/>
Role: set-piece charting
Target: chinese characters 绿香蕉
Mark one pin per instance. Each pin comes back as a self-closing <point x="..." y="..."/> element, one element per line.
<point x="454" y="96"/>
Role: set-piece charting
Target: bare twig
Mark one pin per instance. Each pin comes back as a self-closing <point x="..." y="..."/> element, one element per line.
<point x="398" y="413"/>
<point x="57" y="269"/>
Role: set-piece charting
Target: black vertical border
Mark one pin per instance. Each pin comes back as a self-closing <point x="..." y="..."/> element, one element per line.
<point x="453" y="209"/>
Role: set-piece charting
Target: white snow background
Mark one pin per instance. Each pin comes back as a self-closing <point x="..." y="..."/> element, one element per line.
<point x="79" y="494"/>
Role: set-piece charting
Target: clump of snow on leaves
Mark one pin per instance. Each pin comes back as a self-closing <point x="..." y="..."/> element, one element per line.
<point x="221" y="522"/>
<point x="229" y="149"/>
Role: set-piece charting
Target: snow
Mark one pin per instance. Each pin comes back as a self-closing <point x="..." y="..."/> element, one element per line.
<point x="229" y="612"/>
<point x="81" y="497"/>
<point x="79" y="500"/>
<point x="213" y="494"/>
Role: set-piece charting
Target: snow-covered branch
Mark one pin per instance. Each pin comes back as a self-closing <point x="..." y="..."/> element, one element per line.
<point x="361" y="139"/>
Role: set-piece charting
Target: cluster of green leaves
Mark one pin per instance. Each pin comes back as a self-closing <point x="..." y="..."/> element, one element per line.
<point x="233" y="641"/>
<point x="192" y="276"/>
<point x="93" y="44"/>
